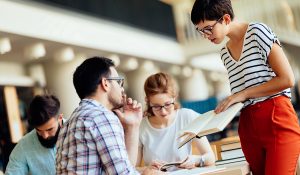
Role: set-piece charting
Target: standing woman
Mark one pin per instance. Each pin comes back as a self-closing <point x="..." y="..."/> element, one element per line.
<point x="161" y="123"/>
<point x="260" y="76"/>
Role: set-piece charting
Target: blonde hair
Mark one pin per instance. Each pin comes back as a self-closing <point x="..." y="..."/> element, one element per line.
<point x="159" y="83"/>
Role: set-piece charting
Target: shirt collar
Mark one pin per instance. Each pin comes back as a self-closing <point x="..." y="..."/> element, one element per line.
<point x="93" y="102"/>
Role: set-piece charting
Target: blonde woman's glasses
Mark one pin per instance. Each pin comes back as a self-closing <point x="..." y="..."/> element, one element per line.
<point x="159" y="107"/>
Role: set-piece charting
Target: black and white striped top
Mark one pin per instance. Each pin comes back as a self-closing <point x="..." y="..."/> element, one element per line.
<point x="252" y="68"/>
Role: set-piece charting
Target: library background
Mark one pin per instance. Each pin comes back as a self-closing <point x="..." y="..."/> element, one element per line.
<point x="47" y="39"/>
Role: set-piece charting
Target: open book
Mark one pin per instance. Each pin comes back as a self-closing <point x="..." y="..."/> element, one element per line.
<point x="167" y="166"/>
<point x="208" y="123"/>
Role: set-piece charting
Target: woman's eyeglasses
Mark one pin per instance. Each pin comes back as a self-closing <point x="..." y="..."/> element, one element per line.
<point x="159" y="107"/>
<point x="120" y="80"/>
<point x="207" y="31"/>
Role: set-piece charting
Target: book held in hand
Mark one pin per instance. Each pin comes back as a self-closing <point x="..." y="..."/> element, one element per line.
<point x="171" y="165"/>
<point x="208" y="123"/>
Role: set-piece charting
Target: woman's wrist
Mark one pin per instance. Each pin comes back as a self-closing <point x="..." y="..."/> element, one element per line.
<point x="202" y="161"/>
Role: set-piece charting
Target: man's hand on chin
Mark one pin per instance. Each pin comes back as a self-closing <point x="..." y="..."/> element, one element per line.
<point x="132" y="114"/>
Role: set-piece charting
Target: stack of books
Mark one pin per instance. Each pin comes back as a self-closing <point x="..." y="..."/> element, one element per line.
<point x="230" y="153"/>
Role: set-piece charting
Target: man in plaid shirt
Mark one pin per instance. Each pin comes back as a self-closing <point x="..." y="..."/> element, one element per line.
<point x="99" y="138"/>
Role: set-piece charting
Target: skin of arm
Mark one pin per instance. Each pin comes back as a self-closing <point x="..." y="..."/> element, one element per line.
<point x="205" y="151"/>
<point x="131" y="142"/>
<point x="131" y="118"/>
<point x="284" y="79"/>
<point x="139" y="157"/>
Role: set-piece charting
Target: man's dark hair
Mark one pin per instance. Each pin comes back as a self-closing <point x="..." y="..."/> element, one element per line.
<point x="89" y="74"/>
<point x="42" y="108"/>
<point x="210" y="10"/>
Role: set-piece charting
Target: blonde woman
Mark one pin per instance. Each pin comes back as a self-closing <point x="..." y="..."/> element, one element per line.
<point x="160" y="125"/>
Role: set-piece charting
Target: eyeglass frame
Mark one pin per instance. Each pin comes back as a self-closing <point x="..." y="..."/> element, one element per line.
<point x="208" y="28"/>
<point x="166" y="106"/>
<point x="120" y="80"/>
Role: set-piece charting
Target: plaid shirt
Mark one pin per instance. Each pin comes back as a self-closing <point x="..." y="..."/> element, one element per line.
<point x="92" y="142"/>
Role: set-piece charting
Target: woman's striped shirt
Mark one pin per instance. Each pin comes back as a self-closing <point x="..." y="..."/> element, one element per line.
<point x="252" y="68"/>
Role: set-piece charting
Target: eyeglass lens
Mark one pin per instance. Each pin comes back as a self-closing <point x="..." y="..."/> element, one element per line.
<point x="119" y="80"/>
<point x="208" y="29"/>
<point x="166" y="106"/>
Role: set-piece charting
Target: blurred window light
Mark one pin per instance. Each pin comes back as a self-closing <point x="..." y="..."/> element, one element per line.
<point x="35" y="51"/>
<point x="5" y="45"/>
<point x="187" y="71"/>
<point x="131" y="64"/>
<point x="148" y="65"/>
<point x="175" y="70"/>
<point x="64" y="55"/>
<point x="115" y="58"/>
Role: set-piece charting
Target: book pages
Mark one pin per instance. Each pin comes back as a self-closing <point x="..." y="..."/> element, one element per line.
<point x="209" y="123"/>
<point x="199" y="122"/>
<point x="221" y="120"/>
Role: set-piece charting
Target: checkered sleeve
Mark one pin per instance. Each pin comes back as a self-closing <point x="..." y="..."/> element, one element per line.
<point x="108" y="135"/>
<point x="92" y="142"/>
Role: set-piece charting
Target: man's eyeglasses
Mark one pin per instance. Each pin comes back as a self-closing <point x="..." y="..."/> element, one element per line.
<point x="120" y="80"/>
<point x="207" y="31"/>
<point x="158" y="107"/>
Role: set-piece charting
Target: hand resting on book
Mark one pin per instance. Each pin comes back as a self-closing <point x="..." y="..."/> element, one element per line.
<point x="190" y="162"/>
<point x="157" y="164"/>
<point x="164" y="166"/>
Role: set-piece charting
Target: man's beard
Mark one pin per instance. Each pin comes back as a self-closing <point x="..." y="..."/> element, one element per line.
<point x="115" y="104"/>
<point x="50" y="141"/>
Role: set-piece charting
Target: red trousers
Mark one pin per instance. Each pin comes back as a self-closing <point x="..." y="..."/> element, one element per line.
<point x="270" y="136"/>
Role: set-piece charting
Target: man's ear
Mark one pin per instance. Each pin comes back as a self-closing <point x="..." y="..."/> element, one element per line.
<point x="60" y="119"/>
<point x="104" y="84"/>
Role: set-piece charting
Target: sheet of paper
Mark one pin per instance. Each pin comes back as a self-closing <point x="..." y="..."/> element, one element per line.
<point x="197" y="171"/>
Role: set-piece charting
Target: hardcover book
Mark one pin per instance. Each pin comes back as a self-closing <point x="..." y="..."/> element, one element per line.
<point x="208" y="123"/>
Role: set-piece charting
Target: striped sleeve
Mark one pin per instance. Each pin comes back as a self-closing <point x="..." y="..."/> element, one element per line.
<point x="265" y="38"/>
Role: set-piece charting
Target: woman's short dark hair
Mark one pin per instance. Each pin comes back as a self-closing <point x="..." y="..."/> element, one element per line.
<point x="89" y="74"/>
<point x="42" y="108"/>
<point x="210" y="10"/>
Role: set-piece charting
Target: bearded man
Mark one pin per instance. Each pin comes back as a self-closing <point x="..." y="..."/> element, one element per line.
<point x="35" y="152"/>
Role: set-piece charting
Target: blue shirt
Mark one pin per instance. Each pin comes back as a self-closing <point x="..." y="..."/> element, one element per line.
<point x="30" y="157"/>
